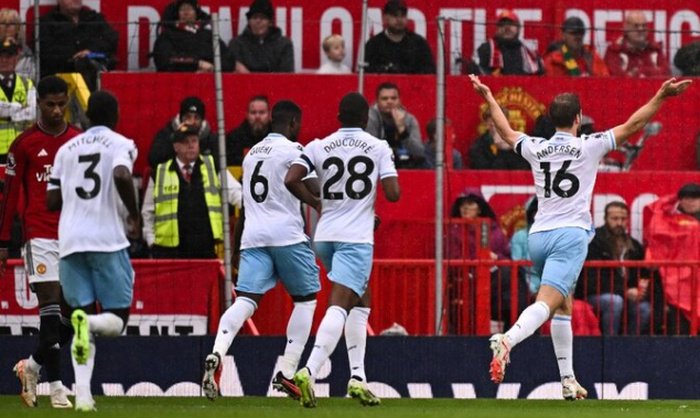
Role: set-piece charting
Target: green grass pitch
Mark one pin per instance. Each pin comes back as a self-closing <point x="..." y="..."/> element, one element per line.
<point x="258" y="407"/>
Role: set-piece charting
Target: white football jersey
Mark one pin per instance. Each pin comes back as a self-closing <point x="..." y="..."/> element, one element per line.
<point x="273" y="216"/>
<point x="349" y="164"/>
<point x="564" y="168"/>
<point x="83" y="170"/>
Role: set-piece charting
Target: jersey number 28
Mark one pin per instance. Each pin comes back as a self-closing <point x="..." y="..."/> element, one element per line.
<point x="362" y="177"/>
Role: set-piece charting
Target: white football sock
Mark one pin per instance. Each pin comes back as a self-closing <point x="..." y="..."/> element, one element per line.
<point x="231" y="322"/>
<point x="298" y="330"/>
<point x="83" y="372"/>
<point x="563" y="341"/>
<point x="532" y="318"/>
<point x="33" y="365"/>
<point x="356" y="340"/>
<point x="105" y="324"/>
<point x="327" y="337"/>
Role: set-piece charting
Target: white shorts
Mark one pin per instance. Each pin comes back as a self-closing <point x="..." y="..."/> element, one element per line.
<point x="41" y="260"/>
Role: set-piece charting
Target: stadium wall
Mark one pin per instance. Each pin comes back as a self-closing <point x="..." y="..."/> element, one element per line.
<point x="418" y="367"/>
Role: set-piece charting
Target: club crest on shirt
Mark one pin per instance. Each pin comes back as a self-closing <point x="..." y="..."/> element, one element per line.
<point x="41" y="268"/>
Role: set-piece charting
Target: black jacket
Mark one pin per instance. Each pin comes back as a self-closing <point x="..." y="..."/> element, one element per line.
<point x="612" y="280"/>
<point x="410" y="56"/>
<point x="483" y="155"/>
<point x="273" y="54"/>
<point x="59" y="40"/>
<point x="162" y="147"/>
<point x="239" y="141"/>
<point x="512" y="51"/>
<point x="180" y="49"/>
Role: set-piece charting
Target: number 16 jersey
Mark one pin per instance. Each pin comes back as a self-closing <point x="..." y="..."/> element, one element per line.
<point x="349" y="163"/>
<point x="564" y="168"/>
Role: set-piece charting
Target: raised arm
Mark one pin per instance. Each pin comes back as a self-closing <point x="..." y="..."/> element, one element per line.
<point x="643" y="115"/>
<point x="499" y="119"/>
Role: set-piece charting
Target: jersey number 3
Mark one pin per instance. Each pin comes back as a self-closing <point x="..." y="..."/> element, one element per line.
<point x="560" y="176"/>
<point x="90" y="174"/>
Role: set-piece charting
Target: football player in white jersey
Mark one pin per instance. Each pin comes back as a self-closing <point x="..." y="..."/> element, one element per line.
<point x="273" y="247"/>
<point x="91" y="178"/>
<point x="349" y="164"/>
<point x="564" y="168"/>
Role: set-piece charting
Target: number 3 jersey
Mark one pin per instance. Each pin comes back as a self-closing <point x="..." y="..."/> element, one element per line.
<point x="273" y="216"/>
<point x="83" y="171"/>
<point x="564" y="168"/>
<point x="348" y="163"/>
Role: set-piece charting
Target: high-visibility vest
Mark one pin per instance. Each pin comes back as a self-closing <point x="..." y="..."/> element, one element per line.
<point x="9" y="129"/>
<point x="165" y="198"/>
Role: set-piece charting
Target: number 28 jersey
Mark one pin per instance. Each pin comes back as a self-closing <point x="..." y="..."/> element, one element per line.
<point x="564" y="168"/>
<point x="349" y="163"/>
<point x="83" y="170"/>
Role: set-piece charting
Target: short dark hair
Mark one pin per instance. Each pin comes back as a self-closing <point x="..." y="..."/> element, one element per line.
<point x="103" y="109"/>
<point x="353" y="110"/>
<point x="564" y="109"/>
<point x="616" y="204"/>
<point x="51" y="85"/>
<point x="284" y="112"/>
<point x="387" y="85"/>
<point x="259" y="98"/>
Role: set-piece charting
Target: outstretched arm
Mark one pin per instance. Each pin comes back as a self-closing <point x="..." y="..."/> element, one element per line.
<point x="643" y="115"/>
<point x="499" y="119"/>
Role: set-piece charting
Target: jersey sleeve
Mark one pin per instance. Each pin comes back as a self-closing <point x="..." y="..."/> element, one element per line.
<point x="600" y="143"/>
<point x="14" y="173"/>
<point x="523" y="147"/>
<point x="306" y="158"/>
<point x="387" y="168"/>
<point x="125" y="155"/>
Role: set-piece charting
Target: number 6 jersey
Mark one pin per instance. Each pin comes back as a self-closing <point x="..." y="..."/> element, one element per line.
<point x="348" y="163"/>
<point x="564" y="168"/>
<point x="83" y="170"/>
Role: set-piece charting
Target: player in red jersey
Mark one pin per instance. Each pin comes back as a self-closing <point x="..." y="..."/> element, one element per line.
<point x="29" y="163"/>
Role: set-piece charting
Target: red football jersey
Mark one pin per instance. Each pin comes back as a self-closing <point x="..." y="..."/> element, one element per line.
<point x="29" y="163"/>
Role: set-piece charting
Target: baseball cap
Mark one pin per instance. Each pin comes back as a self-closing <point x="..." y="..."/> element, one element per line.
<point x="395" y="7"/>
<point x="192" y="104"/>
<point x="574" y="25"/>
<point x="508" y="14"/>
<point x="9" y="46"/>
<point x="689" y="190"/>
<point x="263" y="7"/>
<point x="183" y="132"/>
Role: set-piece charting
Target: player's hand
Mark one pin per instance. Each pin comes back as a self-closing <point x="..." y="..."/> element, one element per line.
<point x="671" y="87"/>
<point x="133" y="227"/>
<point x="377" y="222"/>
<point x="4" y="254"/>
<point x="481" y="88"/>
<point x="399" y="115"/>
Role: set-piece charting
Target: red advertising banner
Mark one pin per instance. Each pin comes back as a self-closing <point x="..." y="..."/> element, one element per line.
<point x="171" y="297"/>
<point x="470" y="23"/>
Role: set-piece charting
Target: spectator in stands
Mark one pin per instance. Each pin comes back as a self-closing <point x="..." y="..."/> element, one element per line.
<point x="505" y="54"/>
<point x="186" y="45"/>
<point x="252" y="130"/>
<point x="519" y="249"/>
<point x="634" y="54"/>
<point x="672" y="232"/>
<point x="188" y="187"/>
<point x="491" y="152"/>
<point x="334" y="48"/>
<point x="261" y="47"/>
<point x="74" y="38"/>
<point x="191" y="114"/>
<point x="429" y="145"/>
<point x="687" y="59"/>
<point x="389" y="120"/>
<point x="611" y="290"/>
<point x="570" y="57"/>
<point x="18" y="99"/>
<point x="397" y="49"/>
<point x="11" y="27"/>
<point x="463" y="242"/>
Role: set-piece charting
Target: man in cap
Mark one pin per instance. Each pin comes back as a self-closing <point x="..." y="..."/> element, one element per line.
<point x="505" y="54"/>
<point x="570" y="57"/>
<point x="262" y="47"/>
<point x="192" y="112"/>
<point x="397" y="49"/>
<point x="17" y="97"/>
<point x="188" y="187"/>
